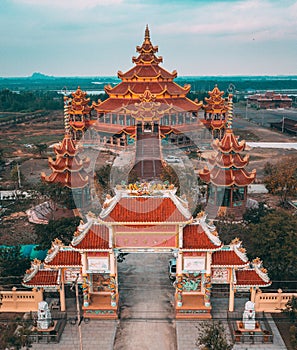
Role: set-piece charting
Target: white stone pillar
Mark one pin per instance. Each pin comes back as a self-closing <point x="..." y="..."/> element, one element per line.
<point x="180" y="236"/>
<point x="208" y="263"/>
<point x="179" y="263"/>
<point x="253" y="294"/>
<point x="112" y="263"/>
<point x="84" y="263"/>
<point x="231" y="293"/>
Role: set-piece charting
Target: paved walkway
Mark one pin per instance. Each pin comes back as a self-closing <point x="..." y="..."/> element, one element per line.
<point x="97" y="334"/>
<point x="187" y="331"/>
<point x="149" y="327"/>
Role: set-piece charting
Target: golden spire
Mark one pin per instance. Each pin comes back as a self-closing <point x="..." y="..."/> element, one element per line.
<point x="147" y="33"/>
<point x="67" y="102"/>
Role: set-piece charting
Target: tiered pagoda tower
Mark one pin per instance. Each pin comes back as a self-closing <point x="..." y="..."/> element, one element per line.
<point x="68" y="169"/>
<point x="79" y="113"/>
<point x="227" y="179"/>
<point x="215" y="112"/>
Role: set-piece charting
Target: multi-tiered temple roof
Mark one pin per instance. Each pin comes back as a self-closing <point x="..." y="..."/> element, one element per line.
<point x="215" y="112"/>
<point x="228" y="166"/>
<point x="147" y="82"/>
<point x="67" y="169"/>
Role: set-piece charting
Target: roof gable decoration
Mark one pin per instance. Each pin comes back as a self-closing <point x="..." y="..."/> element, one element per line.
<point x="260" y="270"/>
<point x="209" y="229"/>
<point x="181" y="204"/>
<point x="83" y="228"/>
<point x="30" y="273"/>
<point x="109" y="204"/>
<point x="236" y="246"/>
<point x="53" y="251"/>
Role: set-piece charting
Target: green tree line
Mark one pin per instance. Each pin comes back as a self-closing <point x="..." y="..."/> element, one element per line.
<point x="29" y="101"/>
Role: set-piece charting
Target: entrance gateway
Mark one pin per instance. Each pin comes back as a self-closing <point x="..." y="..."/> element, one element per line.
<point x="146" y="218"/>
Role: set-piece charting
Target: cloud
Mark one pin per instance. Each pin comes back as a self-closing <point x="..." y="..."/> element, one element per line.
<point x="264" y="19"/>
<point x="69" y="4"/>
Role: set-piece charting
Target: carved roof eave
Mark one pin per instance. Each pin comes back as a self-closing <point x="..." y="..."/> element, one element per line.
<point x="159" y="73"/>
<point x="220" y="145"/>
<point x="185" y="250"/>
<point x="210" y="230"/>
<point x="140" y="60"/>
<point x="267" y="283"/>
<point x="52" y="178"/>
<point x="218" y="160"/>
<point x="82" y="229"/>
<point x="54" y="250"/>
<point x="80" y="164"/>
<point x="184" y="91"/>
<point x="249" y="179"/>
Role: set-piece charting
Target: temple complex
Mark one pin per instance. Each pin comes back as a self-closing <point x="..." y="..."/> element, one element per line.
<point x="149" y="112"/>
<point x="147" y="218"/>
<point x="227" y="178"/>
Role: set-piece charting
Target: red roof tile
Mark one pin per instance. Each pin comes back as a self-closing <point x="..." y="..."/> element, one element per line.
<point x="194" y="237"/>
<point x="227" y="258"/>
<point x="97" y="237"/>
<point x="145" y="209"/>
<point x="66" y="258"/>
<point x="44" y="278"/>
<point x="249" y="278"/>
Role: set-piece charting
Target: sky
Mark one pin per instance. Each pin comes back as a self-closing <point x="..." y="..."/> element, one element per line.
<point x="195" y="37"/>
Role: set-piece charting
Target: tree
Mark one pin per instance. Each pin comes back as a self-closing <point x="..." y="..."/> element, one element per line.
<point x="14" y="335"/>
<point x="213" y="337"/>
<point x="274" y="240"/>
<point x="41" y="148"/>
<point x="291" y="309"/>
<point x="12" y="265"/>
<point x="57" y="193"/>
<point x="253" y="215"/>
<point x="62" y="229"/>
<point x="281" y="179"/>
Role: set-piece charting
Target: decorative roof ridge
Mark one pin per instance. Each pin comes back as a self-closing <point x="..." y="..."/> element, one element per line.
<point x="109" y="204"/>
<point x="181" y="204"/>
<point x="53" y="251"/>
<point x="236" y="246"/>
<point x="260" y="270"/>
<point x="209" y="229"/>
<point x="82" y="229"/>
<point x="30" y="273"/>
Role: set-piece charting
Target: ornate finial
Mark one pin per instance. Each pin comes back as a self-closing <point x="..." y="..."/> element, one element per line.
<point x="230" y="111"/>
<point x="147" y="33"/>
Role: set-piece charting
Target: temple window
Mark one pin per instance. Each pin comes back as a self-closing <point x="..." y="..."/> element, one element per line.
<point x="114" y="119"/>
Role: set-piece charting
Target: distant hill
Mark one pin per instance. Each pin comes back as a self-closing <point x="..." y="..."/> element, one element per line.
<point x="40" y="76"/>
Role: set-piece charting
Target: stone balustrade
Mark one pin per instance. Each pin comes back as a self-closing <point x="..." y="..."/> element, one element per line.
<point x="20" y="301"/>
<point x="272" y="302"/>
